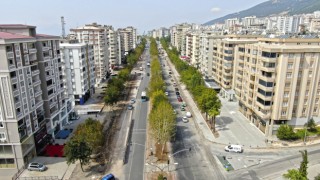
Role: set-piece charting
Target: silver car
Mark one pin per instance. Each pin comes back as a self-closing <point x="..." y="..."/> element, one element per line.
<point x="36" y="167"/>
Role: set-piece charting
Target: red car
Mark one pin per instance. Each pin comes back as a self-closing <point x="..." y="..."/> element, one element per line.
<point x="179" y="99"/>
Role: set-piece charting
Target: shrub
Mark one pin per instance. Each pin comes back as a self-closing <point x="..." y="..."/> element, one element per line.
<point x="160" y="177"/>
<point x="285" y="132"/>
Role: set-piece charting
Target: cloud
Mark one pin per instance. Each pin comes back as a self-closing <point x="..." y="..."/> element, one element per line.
<point x="215" y="9"/>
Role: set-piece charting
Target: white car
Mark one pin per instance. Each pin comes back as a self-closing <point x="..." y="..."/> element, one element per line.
<point x="234" y="148"/>
<point x="185" y="119"/>
<point x="188" y="114"/>
<point x="36" y="167"/>
<point x="167" y="93"/>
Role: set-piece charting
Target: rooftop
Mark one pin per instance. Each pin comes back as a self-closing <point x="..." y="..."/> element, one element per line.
<point x="15" y="26"/>
<point x="6" y="35"/>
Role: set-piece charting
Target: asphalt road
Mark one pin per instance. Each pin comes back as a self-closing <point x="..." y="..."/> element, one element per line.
<point x="135" y="166"/>
<point x="194" y="164"/>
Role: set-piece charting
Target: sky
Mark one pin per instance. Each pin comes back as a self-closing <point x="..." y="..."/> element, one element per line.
<point x="144" y="15"/>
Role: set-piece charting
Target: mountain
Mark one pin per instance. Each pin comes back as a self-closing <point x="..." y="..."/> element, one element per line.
<point x="273" y="7"/>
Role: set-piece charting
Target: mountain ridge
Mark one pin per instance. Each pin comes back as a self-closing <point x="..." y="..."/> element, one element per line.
<point x="273" y="7"/>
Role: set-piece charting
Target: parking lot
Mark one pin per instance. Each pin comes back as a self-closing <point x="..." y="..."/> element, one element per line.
<point x="56" y="168"/>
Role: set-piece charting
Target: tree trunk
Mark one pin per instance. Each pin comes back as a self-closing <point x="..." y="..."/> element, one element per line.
<point x="81" y="165"/>
<point x="214" y="123"/>
<point x="206" y="116"/>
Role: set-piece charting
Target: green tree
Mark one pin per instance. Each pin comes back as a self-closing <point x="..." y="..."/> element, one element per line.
<point x="304" y="164"/>
<point x="294" y="174"/>
<point x="311" y="125"/>
<point x="76" y="149"/>
<point x="112" y="95"/>
<point x="158" y="97"/>
<point x="213" y="112"/>
<point x="301" y="173"/>
<point x="162" y="123"/>
<point x="285" y="132"/>
<point x="208" y="100"/>
<point x="124" y="74"/>
<point x="91" y="131"/>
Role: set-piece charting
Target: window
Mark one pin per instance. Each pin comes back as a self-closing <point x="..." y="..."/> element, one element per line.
<point x="2" y="136"/>
<point x="311" y="64"/>
<point x="310" y="73"/>
<point x="290" y="65"/>
<point x="291" y="55"/>
<point x="283" y="113"/>
<point x="285" y="103"/>
<point x="289" y="75"/>
<point x="1" y="125"/>
<point x="307" y="93"/>
<point x="317" y="101"/>
<point x="268" y="54"/>
<point x="315" y="109"/>
<point x="254" y="52"/>
<point x="286" y="94"/>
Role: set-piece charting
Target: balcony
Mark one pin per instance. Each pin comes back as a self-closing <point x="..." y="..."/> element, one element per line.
<point x="32" y="51"/>
<point x="10" y="55"/>
<point x="47" y="48"/>
<point x="37" y="93"/>
<point x="35" y="72"/>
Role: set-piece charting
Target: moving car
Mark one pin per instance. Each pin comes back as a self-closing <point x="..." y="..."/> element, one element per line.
<point x="130" y="107"/>
<point x="108" y="177"/>
<point x="234" y="148"/>
<point x="148" y="74"/>
<point x="185" y="119"/>
<point x="188" y="114"/>
<point x="34" y="166"/>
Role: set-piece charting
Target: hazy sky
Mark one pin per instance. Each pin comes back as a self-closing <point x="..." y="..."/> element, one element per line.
<point x="142" y="14"/>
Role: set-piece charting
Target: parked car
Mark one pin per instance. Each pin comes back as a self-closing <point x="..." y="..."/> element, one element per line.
<point x="108" y="177"/>
<point x="234" y="148"/>
<point x="176" y="89"/>
<point x="177" y="93"/>
<point x="179" y="99"/>
<point x="167" y="93"/>
<point x="148" y="74"/>
<point x="34" y="166"/>
<point x="185" y="119"/>
<point x="188" y="114"/>
<point x="184" y="104"/>
<point x="130" y="107"/>
<point x="132" y="101"/>
<point x="182" y="108"/>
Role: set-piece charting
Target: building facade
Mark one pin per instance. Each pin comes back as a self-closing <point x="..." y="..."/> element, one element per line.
<point x="96" y="35"/>
<point x="78" y="71"/>
<point x="33" y="106"/>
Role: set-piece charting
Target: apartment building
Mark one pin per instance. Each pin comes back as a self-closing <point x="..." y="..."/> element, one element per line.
<point x="277" y="81"/>
<point x="223" y="60"/>
<point x="178" y="37"/>
<point x="33" y="106"/>
<point x="113" y="48"/>
<point x="127" y="40"/>
<point x="78" y="71"/>
<point x="96" y="35"/>
<point x="192" y="48"/>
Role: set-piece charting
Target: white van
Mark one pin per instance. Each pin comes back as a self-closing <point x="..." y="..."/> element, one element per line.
<point x="234" y="148"/>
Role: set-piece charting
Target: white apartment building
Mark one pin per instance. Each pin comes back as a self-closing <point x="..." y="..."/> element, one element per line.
<point x="78" y="71"/>
<point x="33" y="106"/>
<point x="249" y="21"/>
<point x="289" y="24"/>
<point x="178" y="37"/>
<point x="128" y="40"/>
<point x="315" y="25"/>
<point x="96" y="35"/>
<point x="192" y="48"/>
<point x="113" y="48"/>
<point x="277" y="81"/>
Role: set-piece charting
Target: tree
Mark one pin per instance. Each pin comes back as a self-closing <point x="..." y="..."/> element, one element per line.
<point x="304" y="164"/>
<point x="294" y="174"/>
<point x="311" y="125"/>
<point x="162" y="123"/>
<point x="213" y="112"/>
<point x="157" y="97"/>
<point x="112" y="95"/>
<point x="91" y="131"/>
<point x="317" y="177"/>
<point x="285" y="132"/>
<point x="301" y="173"/>
<point x="208" y="100"/>
<point x="124" y="74"/>
<point x="76" y="149"/>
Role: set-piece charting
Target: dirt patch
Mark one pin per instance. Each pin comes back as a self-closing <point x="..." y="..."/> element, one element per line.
<point x="154" y="175"/>
<point x="162" y="156"/>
